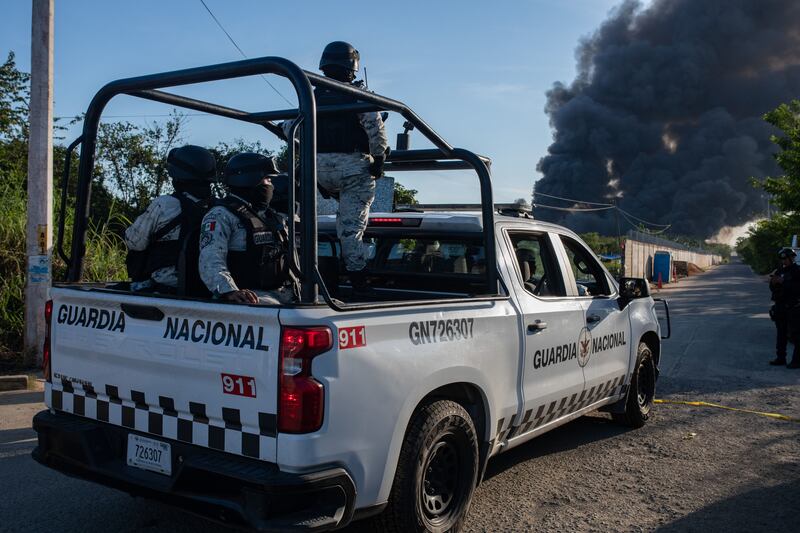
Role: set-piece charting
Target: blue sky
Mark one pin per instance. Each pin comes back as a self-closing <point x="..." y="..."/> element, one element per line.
<point x="476" y="71"/>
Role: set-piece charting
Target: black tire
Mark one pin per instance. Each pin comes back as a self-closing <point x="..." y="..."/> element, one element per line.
<point x="642" y="391"/>
<point x="436" y="472"/>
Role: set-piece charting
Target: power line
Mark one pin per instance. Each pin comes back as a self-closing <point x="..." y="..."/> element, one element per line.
<point x="644" y="221"/>
<point x="637" y="227"/>
<point x="138" y="116"/>
<point x="571" y="199"/>
<point x="574" y="209"/>
<point x="241" y="51"/>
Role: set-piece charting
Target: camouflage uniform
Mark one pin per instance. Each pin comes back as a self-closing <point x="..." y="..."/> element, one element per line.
<point x="347" y="174"/>
<point x="223" y="231"/>
<point x="137" y="237"/>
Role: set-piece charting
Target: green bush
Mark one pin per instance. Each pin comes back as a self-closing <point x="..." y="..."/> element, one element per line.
<point x="105" y="260"/>
<point x="760" y="248"/>
<point x="12" y="263"/>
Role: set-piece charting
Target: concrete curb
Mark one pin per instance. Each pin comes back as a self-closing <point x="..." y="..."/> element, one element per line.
<point x="19" y="382"/>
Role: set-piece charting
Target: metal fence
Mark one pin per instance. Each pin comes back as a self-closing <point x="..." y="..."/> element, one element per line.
<point x="640" y="249"/>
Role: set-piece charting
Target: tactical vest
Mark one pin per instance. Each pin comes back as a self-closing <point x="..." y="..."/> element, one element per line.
<point x="263" y="264"/>
<point x="787" y="294"/>
<point x="178" y="253"/>
<point x="339" y="132"/>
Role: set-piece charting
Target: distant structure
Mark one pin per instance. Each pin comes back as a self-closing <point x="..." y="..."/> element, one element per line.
<point x="384" y="199"/>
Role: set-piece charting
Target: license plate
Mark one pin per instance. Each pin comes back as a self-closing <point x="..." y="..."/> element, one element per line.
<point x="149" y="454"/>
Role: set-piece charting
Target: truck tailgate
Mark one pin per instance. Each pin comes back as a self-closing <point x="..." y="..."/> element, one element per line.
<point x="196" y="372"/>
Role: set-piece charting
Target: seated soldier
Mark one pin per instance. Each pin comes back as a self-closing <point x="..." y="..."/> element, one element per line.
<point x="244" y="243"/>
<point x="154" y="239"/>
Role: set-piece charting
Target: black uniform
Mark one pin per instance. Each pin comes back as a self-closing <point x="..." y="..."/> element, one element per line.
<point x="786" y="311"/>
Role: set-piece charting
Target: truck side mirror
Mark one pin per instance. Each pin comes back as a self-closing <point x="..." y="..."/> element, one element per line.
<point x="632" y="288"/>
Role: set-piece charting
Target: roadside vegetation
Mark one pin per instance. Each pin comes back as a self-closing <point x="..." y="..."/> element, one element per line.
<point x="759" y="248"/>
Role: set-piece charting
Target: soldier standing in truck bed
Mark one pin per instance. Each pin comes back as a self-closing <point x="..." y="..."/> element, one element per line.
<point x="352" y="149"/>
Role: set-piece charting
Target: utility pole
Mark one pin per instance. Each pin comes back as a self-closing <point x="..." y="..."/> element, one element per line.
<point x="620" y="246"/>
<point x="39" y="232"/>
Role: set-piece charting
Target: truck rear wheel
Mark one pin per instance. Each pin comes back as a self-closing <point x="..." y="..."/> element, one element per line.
<point x="642" y="391"/>
<point x="436" y="472"/>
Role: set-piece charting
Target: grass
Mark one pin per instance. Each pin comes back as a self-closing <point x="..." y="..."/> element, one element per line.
<point x="105" y="260"/>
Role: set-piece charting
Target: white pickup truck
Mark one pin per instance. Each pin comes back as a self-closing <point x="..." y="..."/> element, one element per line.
<point x="310" y="416"/>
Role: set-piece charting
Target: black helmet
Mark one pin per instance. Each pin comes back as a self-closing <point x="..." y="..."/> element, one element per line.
<point x="786" y="253"/>
<point x="340" y="54"/>
<point x="248" y="169"/>
<point x="191" y="163"/>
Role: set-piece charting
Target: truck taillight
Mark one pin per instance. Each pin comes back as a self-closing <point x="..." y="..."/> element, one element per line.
<point x="48" y="318"/>
<point x="301" y="398"/>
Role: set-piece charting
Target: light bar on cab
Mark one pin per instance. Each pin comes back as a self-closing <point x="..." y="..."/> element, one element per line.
<point x="395" y="222"/>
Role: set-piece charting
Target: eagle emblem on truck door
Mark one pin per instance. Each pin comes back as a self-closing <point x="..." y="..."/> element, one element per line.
<point x="584" y="346"/>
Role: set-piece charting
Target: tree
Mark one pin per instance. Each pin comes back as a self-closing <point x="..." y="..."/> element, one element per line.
<point x="785" y="189"/>
<point x="14" y="97"/>
<point x="132" y="160"/>
<point x="223" y="152"/>
<point x="759" y="248"/>
<point x="404" y="196"/>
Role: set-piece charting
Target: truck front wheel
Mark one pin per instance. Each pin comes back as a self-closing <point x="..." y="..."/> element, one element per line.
<point x="436" y="472"/>
<point x="642" y="391"/>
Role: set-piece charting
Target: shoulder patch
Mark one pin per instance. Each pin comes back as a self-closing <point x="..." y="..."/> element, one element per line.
<point x="209" y="225"/>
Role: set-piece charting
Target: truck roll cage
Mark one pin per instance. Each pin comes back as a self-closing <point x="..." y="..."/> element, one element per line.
<point x="443" y="157"/>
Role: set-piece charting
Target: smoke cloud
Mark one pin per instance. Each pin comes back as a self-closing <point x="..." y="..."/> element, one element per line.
<point x="665" y="113"/>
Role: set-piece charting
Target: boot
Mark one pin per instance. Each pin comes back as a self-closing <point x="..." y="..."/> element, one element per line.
<point x="779" y="360"/>
<point x="361" y="290"/>
<point x="795" y="362"/>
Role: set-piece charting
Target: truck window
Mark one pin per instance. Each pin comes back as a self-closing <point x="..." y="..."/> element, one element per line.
<point x="418" y="266"/>
<point x="590" y="277"/>
<point x="536" y="265"/>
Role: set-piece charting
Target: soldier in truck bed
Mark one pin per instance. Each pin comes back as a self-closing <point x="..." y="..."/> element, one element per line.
<point x="243" y="242"/>
<point x="154" y="238"/>
<point x="351" y="150"/>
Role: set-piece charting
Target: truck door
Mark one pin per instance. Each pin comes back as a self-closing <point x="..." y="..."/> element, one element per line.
<point x="552" y="379"/>
<point x="605" y="344"/>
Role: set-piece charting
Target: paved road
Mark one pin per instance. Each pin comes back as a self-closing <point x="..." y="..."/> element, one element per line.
<point x="690" y="469"/>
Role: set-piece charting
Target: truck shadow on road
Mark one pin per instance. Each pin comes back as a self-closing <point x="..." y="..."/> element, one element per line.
<point x="772" y="509"/>
<point x="19" y="398"/>
<point x="591" y="428"/>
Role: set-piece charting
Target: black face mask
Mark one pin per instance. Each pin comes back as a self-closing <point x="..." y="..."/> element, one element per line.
<point x="339" y="73"/>
<point x="259" y="196"/>
<point x="199" y="189"/>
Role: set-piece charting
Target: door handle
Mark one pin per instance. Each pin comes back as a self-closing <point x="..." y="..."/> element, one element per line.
<point x="537" y="326"/>
<point x="591" y="319"/>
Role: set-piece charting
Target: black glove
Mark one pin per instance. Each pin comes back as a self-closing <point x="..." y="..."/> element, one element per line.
<point x="376" y="167"/>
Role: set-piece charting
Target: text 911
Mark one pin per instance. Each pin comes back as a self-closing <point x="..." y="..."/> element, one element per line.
<point x="352" y="337"/>
<point x="238" y="385"/>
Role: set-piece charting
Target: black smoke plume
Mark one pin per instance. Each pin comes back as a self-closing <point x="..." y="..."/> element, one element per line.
<point x="665" y="113"/>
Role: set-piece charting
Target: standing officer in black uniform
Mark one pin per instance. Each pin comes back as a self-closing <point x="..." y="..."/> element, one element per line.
<point x="244" y="243"/>
<point x="785" y="286"/>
